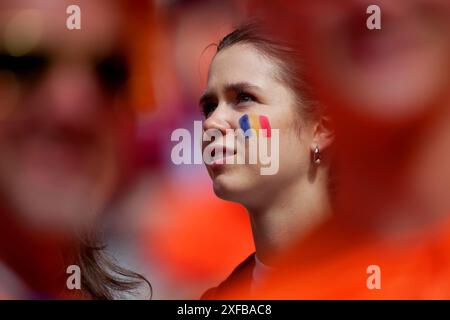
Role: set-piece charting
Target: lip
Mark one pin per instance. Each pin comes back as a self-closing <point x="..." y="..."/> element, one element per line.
<point x="228" y="153"/>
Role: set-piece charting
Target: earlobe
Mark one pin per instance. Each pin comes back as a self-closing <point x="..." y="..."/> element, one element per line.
<point x="316" y="157"/>
<point x="324" y="135"/>
<point x="323" y="138"/>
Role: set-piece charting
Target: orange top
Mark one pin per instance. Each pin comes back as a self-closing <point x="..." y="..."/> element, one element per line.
<point x="334" y="265"/>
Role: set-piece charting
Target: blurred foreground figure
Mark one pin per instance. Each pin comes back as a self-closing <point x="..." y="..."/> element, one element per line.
<point x="387" y="91"/>
<point x="64" y="131"/>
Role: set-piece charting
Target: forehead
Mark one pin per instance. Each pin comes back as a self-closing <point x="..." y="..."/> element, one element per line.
<point x="43" y="23"/>
<point x="241" y="63"/>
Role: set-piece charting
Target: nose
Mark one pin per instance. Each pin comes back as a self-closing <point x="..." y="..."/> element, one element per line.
<point x="221" y="119"/>
<point x="72" y="95"/>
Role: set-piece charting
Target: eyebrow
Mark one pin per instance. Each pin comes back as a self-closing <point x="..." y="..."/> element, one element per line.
<point x="232" y="87"/>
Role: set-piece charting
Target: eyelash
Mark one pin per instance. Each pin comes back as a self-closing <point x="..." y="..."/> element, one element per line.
<point x="241" y="97"/>
<point x="207" y="108"/>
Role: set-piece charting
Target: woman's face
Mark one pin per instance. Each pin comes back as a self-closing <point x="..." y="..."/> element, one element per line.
<point x="242" y="81"/>
<point x="391" y="74"/>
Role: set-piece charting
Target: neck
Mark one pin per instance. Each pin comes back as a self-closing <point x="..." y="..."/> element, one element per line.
<point x="289" y="216"/>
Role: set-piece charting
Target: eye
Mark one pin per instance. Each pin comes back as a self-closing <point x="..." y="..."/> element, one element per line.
<point x="208" y="107"/>
<point x="243" y="97"/>
<point x="25" y="67"/>
<point x="112" y="72"/>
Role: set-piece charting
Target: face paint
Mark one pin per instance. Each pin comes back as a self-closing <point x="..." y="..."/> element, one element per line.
<point x="264" y="122"/>
<point x="256" y="123"/>
<point x="244" y="123"/>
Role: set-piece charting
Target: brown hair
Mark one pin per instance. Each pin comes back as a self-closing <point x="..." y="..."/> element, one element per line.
<point x="284" y="54"/>
<point x="104" y="279"/>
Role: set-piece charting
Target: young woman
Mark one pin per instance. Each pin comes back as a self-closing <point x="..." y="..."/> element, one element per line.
<point x="388" y="94"/>
<point x="252" y="74"/>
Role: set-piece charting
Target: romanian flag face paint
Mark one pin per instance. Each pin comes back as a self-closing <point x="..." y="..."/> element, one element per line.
<point x="255" y="122"/>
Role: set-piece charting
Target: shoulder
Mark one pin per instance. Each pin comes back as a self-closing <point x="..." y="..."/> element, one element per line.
<point x="241" y="275"/>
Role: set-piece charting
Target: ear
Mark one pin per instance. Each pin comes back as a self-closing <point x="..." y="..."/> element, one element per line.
<point x="324" y="134"/>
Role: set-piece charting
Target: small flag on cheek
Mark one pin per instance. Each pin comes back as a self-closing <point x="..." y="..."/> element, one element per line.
<point x="256" y="123"/>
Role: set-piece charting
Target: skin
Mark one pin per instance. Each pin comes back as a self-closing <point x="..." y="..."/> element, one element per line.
<point x="59" y="159"/>
<point x="391" y="75"/>
<point x="281" y="206"/>
<point x="389" y="92"/>
<point x="62" y="133"/>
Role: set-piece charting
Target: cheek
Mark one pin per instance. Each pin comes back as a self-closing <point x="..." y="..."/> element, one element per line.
<point x="294" y="143"/>
<point x="256" y="122"/>
<point x="118" y="142"/>
<point x="287" y="122"/>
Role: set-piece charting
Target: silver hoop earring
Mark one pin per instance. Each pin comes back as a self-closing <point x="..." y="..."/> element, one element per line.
<point x="317" y="156"/>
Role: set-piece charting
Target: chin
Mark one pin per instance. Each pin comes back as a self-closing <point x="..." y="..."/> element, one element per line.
<point x="222" y="188"/>
<point x="233" y="189"/>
